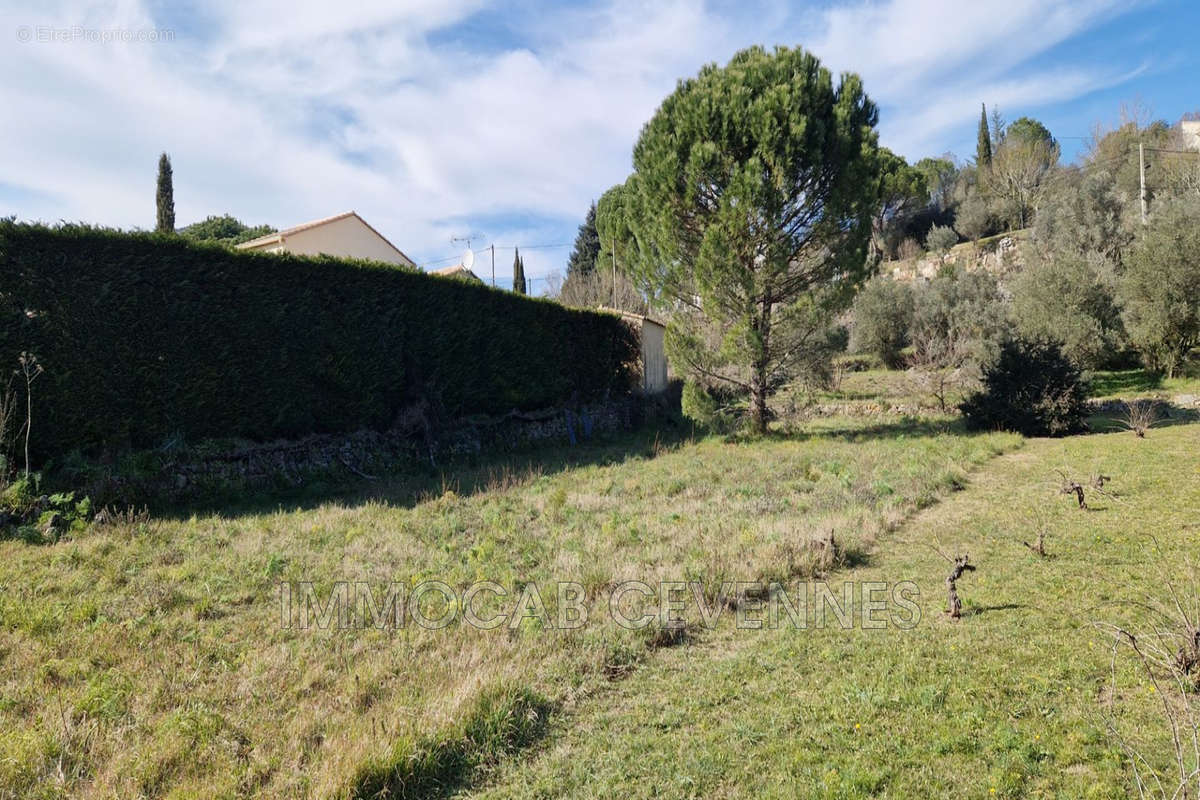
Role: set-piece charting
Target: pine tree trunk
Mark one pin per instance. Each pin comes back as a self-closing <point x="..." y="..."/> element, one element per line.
<point x="758" y="378"/>
<point x="758" y="403"/>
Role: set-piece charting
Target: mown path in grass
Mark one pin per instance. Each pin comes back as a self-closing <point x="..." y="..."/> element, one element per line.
<point x="1005" y="702"/>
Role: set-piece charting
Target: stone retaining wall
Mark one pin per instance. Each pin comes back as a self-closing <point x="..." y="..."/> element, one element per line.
<point x="366" y="454"/>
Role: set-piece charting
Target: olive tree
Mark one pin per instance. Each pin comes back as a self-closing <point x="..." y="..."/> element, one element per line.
<point x="1066" y="293"/>
<point x="974" y="219"/>
<point x="1020" y="166"/>
<point x="959" y="321"/>
<point x="749" y="214"/>
<point x="1064" y="299"/>
<point x="883" y="313"/>
<point x="1161" y="288"/>
<point x="1082" y="216"/>
<point x="941" y="239"/>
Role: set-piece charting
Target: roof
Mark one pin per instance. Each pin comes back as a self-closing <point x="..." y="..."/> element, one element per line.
<point x="629" y="315"/>
<point x="280" y="236"/>
<point x="457" y="271"/>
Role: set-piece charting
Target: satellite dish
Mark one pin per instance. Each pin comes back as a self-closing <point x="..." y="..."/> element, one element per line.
<point x="468" y="259"/>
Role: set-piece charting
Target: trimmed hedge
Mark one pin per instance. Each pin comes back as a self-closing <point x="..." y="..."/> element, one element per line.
<point x="147" y="337"/>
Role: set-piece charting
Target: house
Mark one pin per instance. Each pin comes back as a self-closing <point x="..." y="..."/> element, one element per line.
<point x="458" y="271"/>
<point x="651" y="334"/>
<point x="1191" y="133"/>
<point x="345" y="235"/>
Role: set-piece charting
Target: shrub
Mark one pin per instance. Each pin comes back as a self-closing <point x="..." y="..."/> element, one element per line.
<point x="908" y="249"/>
<point x="882" y="315"/>
<point x="974" y="219"/>
<point x="717" y="408"/>
<point x="147" y="337"/>
<point x="940" y="239"/>
<point x="856" y="362"/>
<point x="1032" y="389"/>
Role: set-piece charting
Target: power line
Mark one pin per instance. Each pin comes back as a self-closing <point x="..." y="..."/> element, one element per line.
<point x="498" y="247"/>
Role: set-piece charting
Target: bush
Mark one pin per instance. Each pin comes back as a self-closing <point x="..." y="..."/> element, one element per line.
<point x="882" y="315"/>
<point x="856" y="362"/>
<point x="940" y="239"/>
<point x="974" y="219"/>
<point x="1032" y="389"/>
<point x="717" y="408"/>
<point x="908" y="249"/>
<point x="146" y="338"/>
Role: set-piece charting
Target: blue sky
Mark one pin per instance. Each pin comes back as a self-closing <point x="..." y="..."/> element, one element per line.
<point x="436" y="119"/>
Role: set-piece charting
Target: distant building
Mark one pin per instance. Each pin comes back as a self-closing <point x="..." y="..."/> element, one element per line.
<point x="345" y="235"/>
<point x="1191" y="134"/>
<point x="458" y="271"/>
<point x="653" y="352"/>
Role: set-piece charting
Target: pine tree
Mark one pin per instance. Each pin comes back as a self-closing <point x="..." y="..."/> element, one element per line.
<point x="983" y="149"/>
<point x="753" y="303"/>
<point x="165" y="197"/>
<point x="587" y="248"/>
<point x="518" y="273"/>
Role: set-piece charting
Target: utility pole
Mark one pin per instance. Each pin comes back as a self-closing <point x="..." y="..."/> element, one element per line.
<point x="493" y="248"/>
<point x="1142" y="173"/>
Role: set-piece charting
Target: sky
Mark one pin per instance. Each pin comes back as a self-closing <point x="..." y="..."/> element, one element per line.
<point x="438" y="120"/>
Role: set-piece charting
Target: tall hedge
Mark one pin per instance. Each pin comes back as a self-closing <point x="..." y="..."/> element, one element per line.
<point x="147" y="337"/>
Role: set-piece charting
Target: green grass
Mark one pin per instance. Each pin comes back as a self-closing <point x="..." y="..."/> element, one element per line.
<point x="883" y="389"/>
<point x="1123" y="383"/>
<point x="871" y="392"/>
<point x="877" y="384"/>
<point x="1006" y="702"/>
<point x="147" y="658"/>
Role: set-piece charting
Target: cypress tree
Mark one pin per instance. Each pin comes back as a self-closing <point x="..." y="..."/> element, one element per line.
<point x="518" y="272"/>
<point x="587" y="247"/>
<point x="165" y="197"/>
<point x="983" y="148"/>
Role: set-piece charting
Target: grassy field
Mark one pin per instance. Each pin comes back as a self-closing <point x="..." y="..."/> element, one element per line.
<point x="1009" y="701"/>
<point x="148" y="657"/>
<point x="1140" y="383"/>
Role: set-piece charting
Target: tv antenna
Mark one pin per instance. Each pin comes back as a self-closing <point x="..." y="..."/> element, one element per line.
<point x="468" y="258"/>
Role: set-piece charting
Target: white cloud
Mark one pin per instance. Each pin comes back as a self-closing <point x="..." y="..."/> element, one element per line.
<point x="930" y="63"/>
<point x="285" y="111"/>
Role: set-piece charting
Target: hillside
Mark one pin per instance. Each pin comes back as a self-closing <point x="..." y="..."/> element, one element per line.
<point x="1000" y="255"/>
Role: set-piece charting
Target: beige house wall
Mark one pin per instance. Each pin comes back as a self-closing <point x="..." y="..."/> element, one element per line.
<point x="347" y="237"/>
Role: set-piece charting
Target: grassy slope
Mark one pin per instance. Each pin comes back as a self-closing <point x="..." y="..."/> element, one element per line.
<point x="148" y="659"/>
<point x="1140" y="383"/>
<point x="1005" y="702"/>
